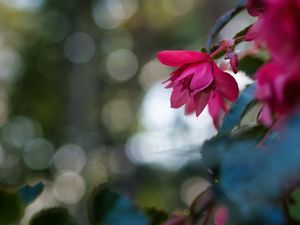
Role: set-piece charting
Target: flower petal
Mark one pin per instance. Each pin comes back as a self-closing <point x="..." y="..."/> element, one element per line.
<point x="253" y="31"/>
<point x="189" y="106"/>
<point x="226" y="84"/>
<point x="179" y="97"/>
<point x="188" y="71"/>
<point x="221" y="216"/>
<point x="203" y="77"/>
<point x="265" y="116"/>
<point x="177" y="58"/>
<point x="200" y="101"/>
<point x="216" y="107"/>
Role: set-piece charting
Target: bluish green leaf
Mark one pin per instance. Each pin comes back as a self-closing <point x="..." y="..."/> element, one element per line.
<point x="30" y="193"/>
<point x="234" y="116"/>
<point x="107" y="207"/>
<point x="156" y="216"/>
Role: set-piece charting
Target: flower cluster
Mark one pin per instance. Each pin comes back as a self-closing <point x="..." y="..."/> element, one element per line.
<point x="278" y="81"/>
<point x="198" y="81"/>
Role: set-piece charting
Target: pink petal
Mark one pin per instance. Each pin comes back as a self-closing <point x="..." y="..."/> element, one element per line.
<point x="179" y="97"/>
<point x="190" y="106"/>
<point x="188" y="71"/>
<point x="226" y="84"/>
<point x="279" y="84"/>
<point x="253" y="32"/>
<point x="265" y="116"/>
<point x="234" y="63"/>
<point x="221" y="216"/>
<point x="201" y="100"/>
<point x="203" y="77"/>
<point x="216" y="107"/>
<point x="174" y="76"/>
<point x="177" y="58"/>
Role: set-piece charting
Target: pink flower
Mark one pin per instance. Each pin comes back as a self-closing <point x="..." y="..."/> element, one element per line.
<point x="278" y="29"/>
<point x="198" y="81"/>
<point x="278" y="90"/>
<point x="256" y="7"/>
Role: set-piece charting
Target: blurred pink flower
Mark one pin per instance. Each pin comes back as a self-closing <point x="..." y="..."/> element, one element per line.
<point x="278" y="90"/>
<point x="221" y="216"/>
<point x="278" y="28"/>
<point x="256" y="7"/>
<point x="198" y="81"/>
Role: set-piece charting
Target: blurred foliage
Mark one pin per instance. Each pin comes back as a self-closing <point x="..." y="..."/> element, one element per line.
<point x="250" y="64"/>
<point x="11" y="207"/>
<point x="59" y="216"/>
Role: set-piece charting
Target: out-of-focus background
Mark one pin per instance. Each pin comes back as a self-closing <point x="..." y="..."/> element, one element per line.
<point x="81" y="99"/>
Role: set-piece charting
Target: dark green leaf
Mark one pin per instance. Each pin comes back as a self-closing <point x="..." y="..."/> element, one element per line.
<point x="294" y="209"/>
<point x="203" y="50"/>
<point x="234" y="116"/>
<point x="53" y="216"/>
<point x="30" y="193"/>
<point x="242" y="32"/>
<point x="156" y="216"/>
<point x="255" y="133"/>
<point x="250" y="64"/>
<point x="11" y="208"/>
<point x="107" y="207"/>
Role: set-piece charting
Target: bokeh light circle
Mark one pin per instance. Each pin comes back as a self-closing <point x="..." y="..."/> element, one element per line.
<point x="122" y="64"/>
<point x="38" y="154"/>
<point x="69" y="157"/>
<point x="69" y="187"/>
<point x="79" y="47"/>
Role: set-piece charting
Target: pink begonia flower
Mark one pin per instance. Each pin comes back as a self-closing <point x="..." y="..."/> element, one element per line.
<point x="198" y="81"/>
<point x="278" y="91"/>
<point x="278" y="29"/>
<point x="221" y="216"/>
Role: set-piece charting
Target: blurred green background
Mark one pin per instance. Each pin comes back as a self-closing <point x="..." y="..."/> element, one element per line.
<point x="81" y="99"/>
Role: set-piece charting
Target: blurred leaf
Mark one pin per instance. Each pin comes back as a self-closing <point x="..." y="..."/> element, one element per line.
<point x="203" y="50"/>
<point x="294" y="209"/>
<point x="260" y="179"/>
<point x="250" y="64"/>
<point x="234" y="116"/>
<point x="53" y="216"/>
<point x="30" y="193"/>
<point x="255" y="133"/>
<point x="242" y="32"/>
<point x="11" y="208"/>
<point x="248" y="188"/>
<point x="110" y="208"/>
<point x="156" y="216"/>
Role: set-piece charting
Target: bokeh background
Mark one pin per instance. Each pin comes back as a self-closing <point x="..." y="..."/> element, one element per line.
<point x="81" y="99"/>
